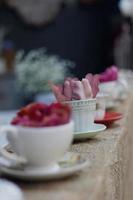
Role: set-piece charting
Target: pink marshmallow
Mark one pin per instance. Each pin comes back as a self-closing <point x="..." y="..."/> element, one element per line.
<point x="87" y="88"/>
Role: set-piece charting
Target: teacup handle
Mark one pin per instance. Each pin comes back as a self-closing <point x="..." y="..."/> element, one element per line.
<point x="11" y="134"/>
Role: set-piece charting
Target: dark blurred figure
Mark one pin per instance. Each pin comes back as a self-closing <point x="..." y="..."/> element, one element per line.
<point x="83" y="32"/>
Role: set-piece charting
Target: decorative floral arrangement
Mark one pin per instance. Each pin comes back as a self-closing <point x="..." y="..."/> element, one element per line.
<point x="35" y="70"/>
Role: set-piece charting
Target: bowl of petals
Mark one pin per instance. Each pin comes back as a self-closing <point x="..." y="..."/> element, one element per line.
<point x="81" y="96"/>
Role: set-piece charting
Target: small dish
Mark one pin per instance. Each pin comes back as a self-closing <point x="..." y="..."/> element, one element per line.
<point x="10" y="190"/>
<point x="70" y="164"/>
<point x="94" y="130"/>
<point x="110" y="117"/>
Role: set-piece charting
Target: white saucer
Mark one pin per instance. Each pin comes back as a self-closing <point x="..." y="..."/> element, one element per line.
<point x="70" y="164"/>
<point x="92" y="132"/>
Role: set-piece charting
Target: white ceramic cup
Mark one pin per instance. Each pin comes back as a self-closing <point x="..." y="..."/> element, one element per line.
<point x="101" y="106"/>
<point x="116" y="90"/>
<point x="83" y="113"/>
<point x="107" y="87"/>
<point x="40" y="147"/>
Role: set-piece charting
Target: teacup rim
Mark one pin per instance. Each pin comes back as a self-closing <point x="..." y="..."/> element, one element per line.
<point x="81" y="100"/>
<point x="102" y="95"/>
<point x="108" y="82"/>
<point x="40" y="128"/>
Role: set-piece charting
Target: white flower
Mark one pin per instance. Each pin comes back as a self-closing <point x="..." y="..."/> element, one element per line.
<point x="36" y="69"/>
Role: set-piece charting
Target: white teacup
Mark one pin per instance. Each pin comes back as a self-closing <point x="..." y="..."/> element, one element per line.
<point x="107" y="87"/>
<point x="40" y="147"/>
<point x="83" y="112"/>
<point x="101" y="105"/>
<point x="116" y="90"/>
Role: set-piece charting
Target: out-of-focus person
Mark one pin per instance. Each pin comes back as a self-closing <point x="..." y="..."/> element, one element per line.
<point x="126" y="7"/>
<point x="82" y="32"/>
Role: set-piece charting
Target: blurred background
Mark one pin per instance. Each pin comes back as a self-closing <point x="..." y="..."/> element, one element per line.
<point x="49" y="39"/>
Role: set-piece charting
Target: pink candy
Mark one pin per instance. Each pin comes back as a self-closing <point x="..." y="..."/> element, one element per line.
<point x="74" y="89"/>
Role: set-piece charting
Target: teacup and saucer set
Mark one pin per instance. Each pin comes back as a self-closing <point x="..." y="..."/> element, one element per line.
<point x="104" y="116"/>
<point x="84" y="112"/>
<point x="39" y="153"/>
